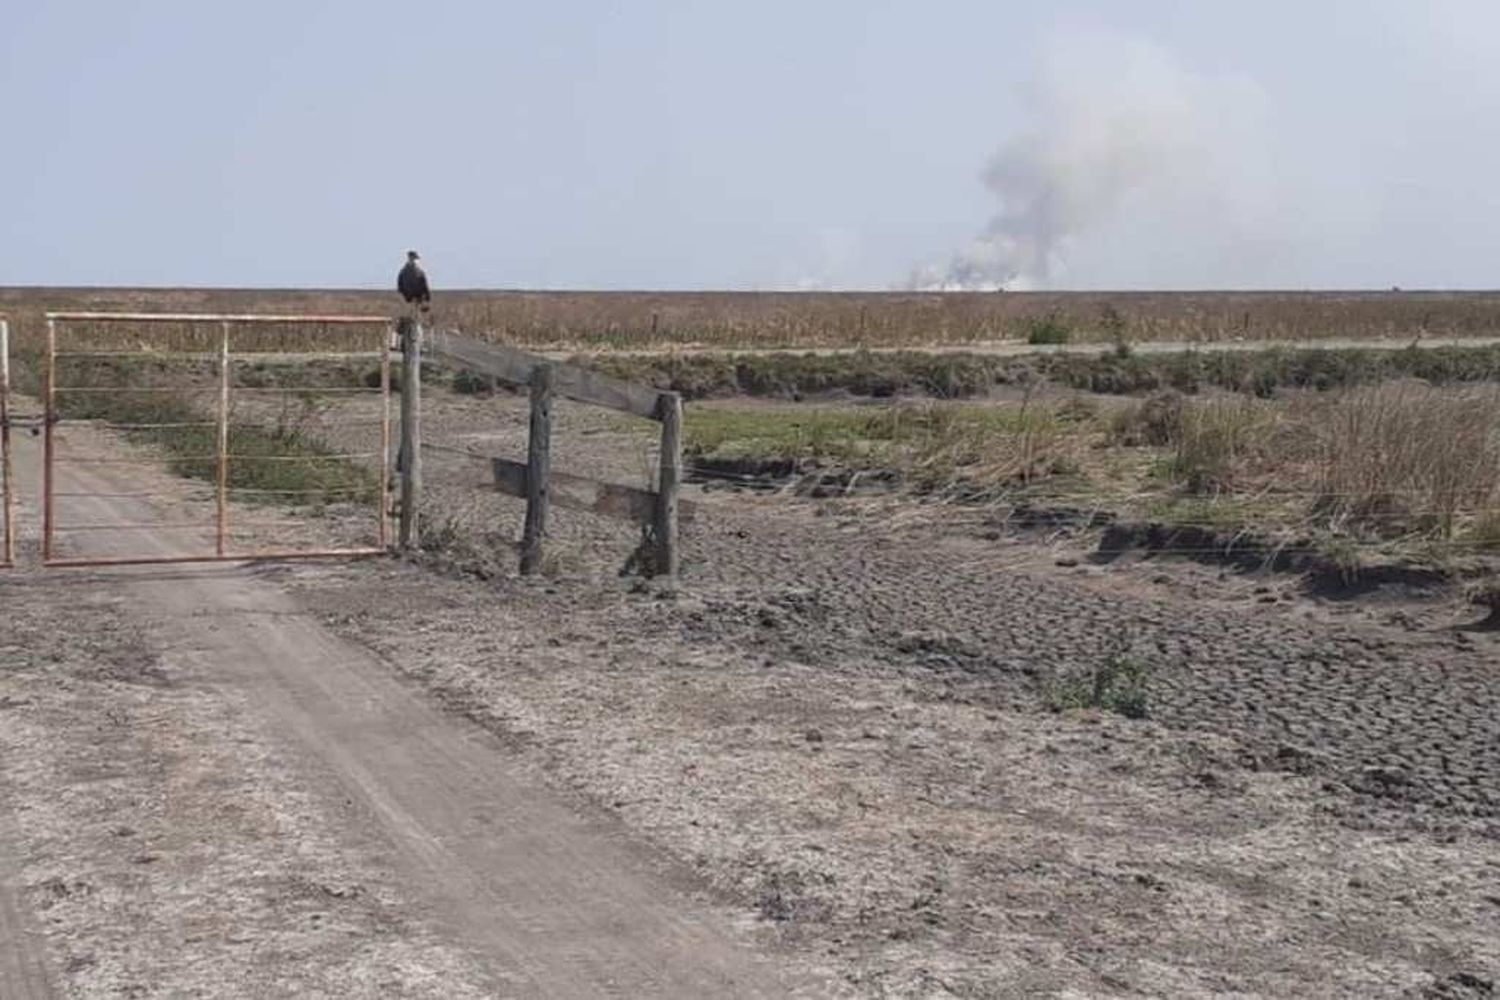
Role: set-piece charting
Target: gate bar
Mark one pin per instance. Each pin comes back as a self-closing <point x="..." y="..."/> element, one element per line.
<point x="385" y="436"/>
<point x="214" y="318"/>
<point x="228" y="557"/>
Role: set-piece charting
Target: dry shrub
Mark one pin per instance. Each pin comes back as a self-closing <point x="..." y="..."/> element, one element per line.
<point x="1221" y="441"/>
<point x="1404" y="456"/>
<point x="992" y="449"/>
<point x="1484" y="533"/>
<point x="1154" y="422"/>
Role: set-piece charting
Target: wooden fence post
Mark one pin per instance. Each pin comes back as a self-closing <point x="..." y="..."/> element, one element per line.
<point x="538" y="469"/>
<point x="7" y="491"/>
<point x="411" y="431"/>
<point x="665" y="526"/>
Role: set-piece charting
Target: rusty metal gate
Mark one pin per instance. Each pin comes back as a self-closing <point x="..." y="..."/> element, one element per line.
<point x="140" y="406"/>
<point x="7" y="481"/>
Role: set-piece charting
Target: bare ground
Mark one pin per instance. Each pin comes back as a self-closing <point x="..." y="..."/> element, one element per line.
<point x="916" y="815"/>
<point x="841" y="718"/>
<point x="837" y="723"/>
<point x="210" y="794"/>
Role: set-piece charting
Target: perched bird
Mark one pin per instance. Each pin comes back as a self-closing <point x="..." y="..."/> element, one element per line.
<point x="412" y="282"/>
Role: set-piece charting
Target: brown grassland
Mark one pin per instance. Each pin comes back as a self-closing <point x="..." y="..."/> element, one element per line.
<point x="735" y="320"/>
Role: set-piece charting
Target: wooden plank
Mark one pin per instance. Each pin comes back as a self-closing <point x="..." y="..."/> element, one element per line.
<point x="664" y="523"/>
<point x="538" y="469"/>
<point x="504" y="363"/>
<point x="586" y="386"/>
<point x="411" y="434"/>
<point x="569" y="381"/>
<point x="582" y="493"/>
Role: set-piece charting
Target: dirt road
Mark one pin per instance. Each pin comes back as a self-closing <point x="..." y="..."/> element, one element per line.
<point x="485" y="883"/>
<point x="23" y="963"/>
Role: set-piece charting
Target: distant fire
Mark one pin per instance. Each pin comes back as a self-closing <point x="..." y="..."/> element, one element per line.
<point x="1117" y="125"/>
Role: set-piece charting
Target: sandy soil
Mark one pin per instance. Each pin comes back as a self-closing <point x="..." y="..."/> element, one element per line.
<point x="837" y="725"/>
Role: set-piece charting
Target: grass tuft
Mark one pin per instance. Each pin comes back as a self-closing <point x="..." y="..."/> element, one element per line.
<point x="1118" y="685"/>
<point x="1401" y="456"/>
<point x="1048" y="329"/>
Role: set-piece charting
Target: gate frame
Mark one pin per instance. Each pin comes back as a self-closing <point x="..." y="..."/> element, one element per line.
<point x="226" y="322"/>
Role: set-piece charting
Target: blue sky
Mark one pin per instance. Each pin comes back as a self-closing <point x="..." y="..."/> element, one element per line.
<point x="775" y="144"/>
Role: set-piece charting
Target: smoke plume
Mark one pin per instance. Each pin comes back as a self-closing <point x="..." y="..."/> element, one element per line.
<point x="1119" y="132"/>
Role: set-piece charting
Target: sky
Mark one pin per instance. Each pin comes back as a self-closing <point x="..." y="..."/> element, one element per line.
<point x="779" y="144"/>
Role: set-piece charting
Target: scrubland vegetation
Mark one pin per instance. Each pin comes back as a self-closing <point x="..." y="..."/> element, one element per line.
<point x="1399" y="462"/>
<point x="963" y="375"/>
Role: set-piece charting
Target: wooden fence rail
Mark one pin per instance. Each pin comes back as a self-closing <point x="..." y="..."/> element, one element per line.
<point x="628" y="503"/>
<point x="573" y="382"/>
<point x="534" y="480"/>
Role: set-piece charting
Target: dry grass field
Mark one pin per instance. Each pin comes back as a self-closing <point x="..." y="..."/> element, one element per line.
<point x="733" y="320"/>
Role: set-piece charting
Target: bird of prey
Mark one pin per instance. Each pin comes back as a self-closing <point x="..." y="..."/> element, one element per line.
<point x="412" y="282"/>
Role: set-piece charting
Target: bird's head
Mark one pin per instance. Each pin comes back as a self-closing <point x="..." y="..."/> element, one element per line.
<point x="413" y="255"/>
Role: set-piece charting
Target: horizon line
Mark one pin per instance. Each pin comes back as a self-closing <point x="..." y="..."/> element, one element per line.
<point x="518" y="290"/>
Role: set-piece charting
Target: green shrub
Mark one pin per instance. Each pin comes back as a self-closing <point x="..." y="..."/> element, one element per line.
<point x="1262" y="374"/>
<point x="1049" y="329"/>
<point x="469" y="383"/>
<point x="1118" y="685"/>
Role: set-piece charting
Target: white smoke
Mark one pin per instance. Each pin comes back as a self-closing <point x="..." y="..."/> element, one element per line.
<point x="1119" y="129"/>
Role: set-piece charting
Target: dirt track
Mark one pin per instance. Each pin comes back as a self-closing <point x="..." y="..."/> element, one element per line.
<point x="339" y="836"/>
